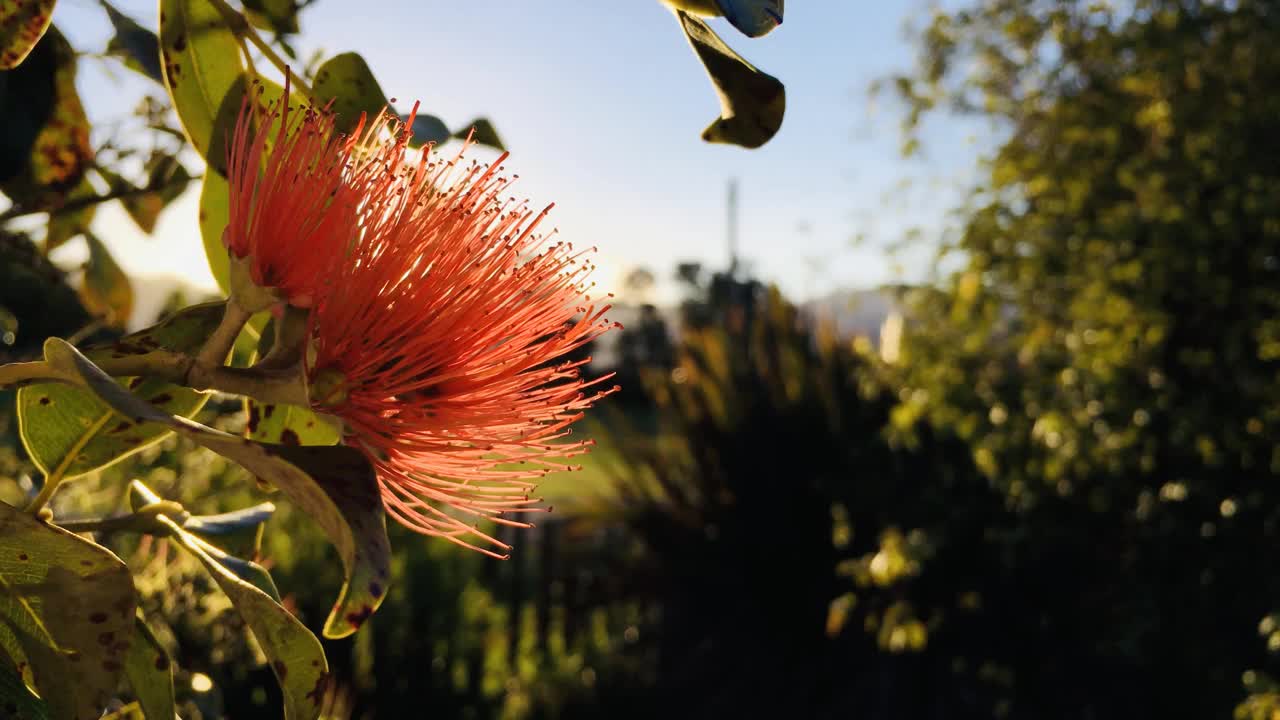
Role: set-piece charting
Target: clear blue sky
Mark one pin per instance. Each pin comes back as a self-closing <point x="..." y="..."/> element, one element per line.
<point x="602" y="110"/>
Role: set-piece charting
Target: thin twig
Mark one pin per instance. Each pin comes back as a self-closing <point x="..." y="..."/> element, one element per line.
<point x="80" y="203"/>
<point x="240" y="26"/>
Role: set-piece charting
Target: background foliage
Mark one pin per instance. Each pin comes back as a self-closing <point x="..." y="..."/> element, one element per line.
<point x="1057" y="500"/>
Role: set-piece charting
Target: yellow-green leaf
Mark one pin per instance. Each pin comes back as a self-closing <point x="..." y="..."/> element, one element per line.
<point x="204" y="72"/>
<point x="336" y="486"/>
<point x="289" y="425"/>
<point x="215" y="203"/>
<point x="71" y="604"/>
<point x="150" y="672"/>
<point x="106" y="290"/>
<point x="752" y="103"/>
<point x="22" y="24"/>
<point x="347" y="80"/>
<point x="295" y="655"/>
<point x="68" y="431"/>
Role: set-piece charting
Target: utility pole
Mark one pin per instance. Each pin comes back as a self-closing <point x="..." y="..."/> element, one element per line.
<point x="733" y="226"/>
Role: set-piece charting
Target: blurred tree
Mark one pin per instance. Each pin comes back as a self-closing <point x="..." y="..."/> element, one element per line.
<point x="1109" y="346"/>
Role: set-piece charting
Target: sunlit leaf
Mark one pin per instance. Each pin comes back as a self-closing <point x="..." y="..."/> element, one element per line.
<point x="22" y="24"/>
<point x="18" y="700"/>
<point x="289" y="425"/>
<point x="140" y="496"/>
<point x="203" y="69"/>
<point x="294" y="654"/>
<point x="68" y="432"/>
<point x="347" y="80"/>
<point x="215" y="203"/>
<point x="150" y="672"/>
<point x="336" y="486"/>
<point x="482" y="132"/>
<point x="59" y="154"/>
<point x="752" y="103"/>
<point x="137" y="46"/>
<point x="106" y="290"/>
<point x="70" y="604"/>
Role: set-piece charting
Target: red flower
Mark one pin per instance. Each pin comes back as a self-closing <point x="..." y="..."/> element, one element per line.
<point x="288" y="214"/>
<point x="439" y="338"/>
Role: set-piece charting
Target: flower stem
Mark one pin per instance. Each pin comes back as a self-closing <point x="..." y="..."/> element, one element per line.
<point x="46" y="493"/>
<point x="219" y="344"/>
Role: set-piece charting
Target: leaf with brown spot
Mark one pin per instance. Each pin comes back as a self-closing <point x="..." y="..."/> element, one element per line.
<point x="204" y="72"/>
<point x="150" y="672"/>
<point x="67" y="430"/>
<point x="336" y="486"/>
<point x="56" y="605"/>
<point x="22" y="24"/>
<point x="59" y="154"/>
<point x="347" y="80"/>
<point x="295" y="655"/>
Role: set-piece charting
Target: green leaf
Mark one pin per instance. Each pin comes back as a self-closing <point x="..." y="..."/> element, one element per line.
<point x="68" y="431"/>
<point x="215" y="204"/>
<point x="166" y="175"/>
<point x="59" y="153"/>
<point x="70" y="603"/>
<point x="204" y="72"/>
<point x="427" y="129"/>
<point x="64" y="226"/>
<point x="295" y="655"/>
<point x="752" y="103"/>
<point x="141" y="496"/>
<point x="16" y="699"/>
<point x="753" y="18"/>
<point x="336" y="486"/>
<point x="22" y="24"/>
<point x="106" y="290"/>
<point x="150" y="672"/>
<point x="137" y="46"/>
<point x="347" y="80"/>
<point x="278" y="16"/>
<point x="482" y="132"/>
<point x="289" y="425"/>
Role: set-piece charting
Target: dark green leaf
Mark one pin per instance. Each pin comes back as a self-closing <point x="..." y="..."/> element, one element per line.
<point x="279" y="16"/>
<point x="752" y="103"/>
<point x="482" y="132"/>
<point x="65" y="225"/>
<point x="347" y="80"/>
<point x="427" y="129"/>
<point x="137" y="46"/>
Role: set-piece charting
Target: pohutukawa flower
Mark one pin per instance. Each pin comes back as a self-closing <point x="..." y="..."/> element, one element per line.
<point x="439" y="338"/>
<point x="288" y="213"/>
